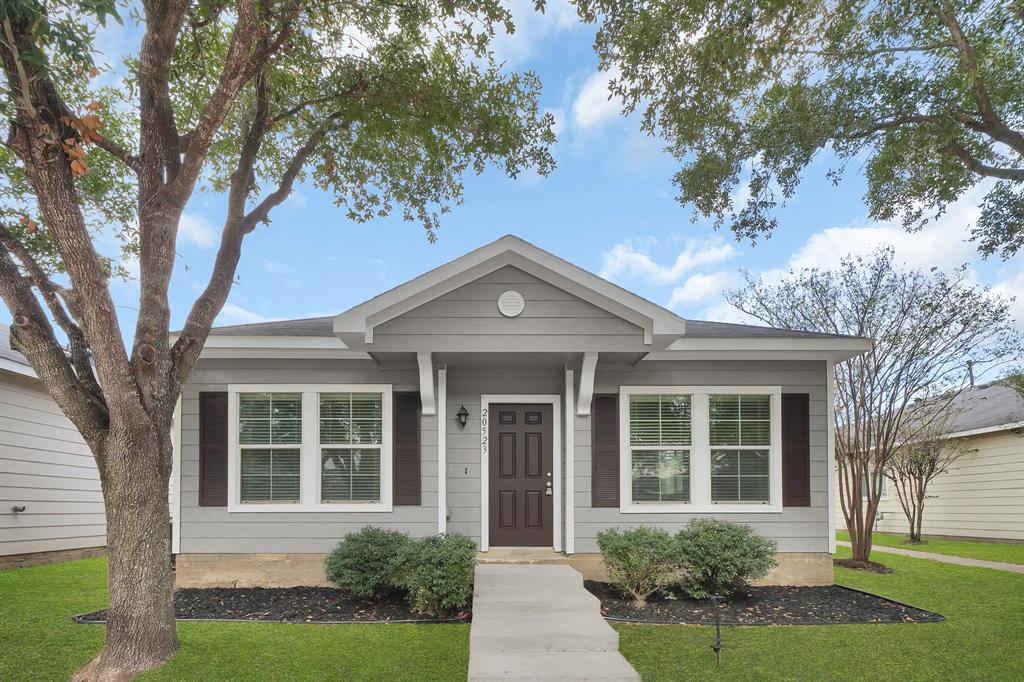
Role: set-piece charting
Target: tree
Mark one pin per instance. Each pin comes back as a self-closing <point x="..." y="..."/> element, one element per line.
<point x="924" y="325"/>
<point x="926" y="97"/>
<point x="924" y="454"/>
<point x="384" y="105"/>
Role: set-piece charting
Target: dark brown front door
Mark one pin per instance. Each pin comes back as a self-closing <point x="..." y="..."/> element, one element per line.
<point x="520" y="475"/>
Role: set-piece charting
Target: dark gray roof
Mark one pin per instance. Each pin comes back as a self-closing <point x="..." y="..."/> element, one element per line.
<point x="700" y="329"/>
<point x="6" y="352"/>
<point x="986" y="405"/>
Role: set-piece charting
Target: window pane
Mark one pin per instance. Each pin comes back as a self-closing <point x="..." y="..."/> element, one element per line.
<point x="351" y="418"/>
<point x="755" y="433"/>
<point x="725" y="433"/>
<point x="724" y="463"/>
<point x="740" y="476"/>
<point x="740" y="419"/>
<point x="270" y="475"/>
<point x="350" y="475"/>
<point x="753" y="462"/>
<point x="660" y="420"/>
<point x="724" y="407"/>
<point x="661" y="476"/>
<point x="724" y="489"/>
<point x="270" y="418"/>
<point x="754" y="489"/>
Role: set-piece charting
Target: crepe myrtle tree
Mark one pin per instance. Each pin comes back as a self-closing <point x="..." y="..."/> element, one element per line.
<point x="924" y="324"/>
<point x="927" y="98"/>
<point x="925" y="453"/>
<point x="382" y="105"/>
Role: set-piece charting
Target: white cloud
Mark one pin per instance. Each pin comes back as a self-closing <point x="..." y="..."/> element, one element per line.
<point x="723" y="312"/>
<point x="274" y="267"/>
<point x="559" y="115"/>
<point x="625" y="260"/>
<point x="701" y="287"/>
<point x="236" y="314"/>
<point x="195" y="229"/>
<point x="593" y="105"/>
<point x="533" y="29"/>
<point x="1013" y="287"/>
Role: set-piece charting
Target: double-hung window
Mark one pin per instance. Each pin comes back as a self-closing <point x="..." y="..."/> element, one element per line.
<point x="310" y="448"/>
<point x="660" y="436"/>
<point x="700" y="449"/>
<point x="270" y="441"/>
<point x="351" y="440"/>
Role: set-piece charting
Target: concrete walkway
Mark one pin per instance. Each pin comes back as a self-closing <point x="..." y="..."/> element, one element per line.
<point x="537" y="622"/>
<point x="945" y="558"/>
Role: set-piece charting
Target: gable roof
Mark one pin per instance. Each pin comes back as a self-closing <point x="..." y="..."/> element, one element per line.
<point x="10" y="359"/>
<point x="986" y="407"/>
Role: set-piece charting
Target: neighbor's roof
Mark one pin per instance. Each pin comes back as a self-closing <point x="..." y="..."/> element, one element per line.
<point x="986" y="406"/>
<point x="8" y="353"/>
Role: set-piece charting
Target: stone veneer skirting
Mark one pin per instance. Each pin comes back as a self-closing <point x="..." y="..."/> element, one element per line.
<point x="291" y="570"/>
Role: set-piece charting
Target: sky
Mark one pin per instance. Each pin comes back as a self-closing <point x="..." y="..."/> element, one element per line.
<point x="609" y="207"/>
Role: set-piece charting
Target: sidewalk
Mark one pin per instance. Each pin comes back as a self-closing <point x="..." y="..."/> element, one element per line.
<point x="945" y="558"/>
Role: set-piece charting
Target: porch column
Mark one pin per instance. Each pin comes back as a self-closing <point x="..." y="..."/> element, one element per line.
<point x="442" y="450"/>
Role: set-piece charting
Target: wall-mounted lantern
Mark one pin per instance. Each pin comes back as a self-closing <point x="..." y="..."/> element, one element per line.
<point x="462" y="415"/>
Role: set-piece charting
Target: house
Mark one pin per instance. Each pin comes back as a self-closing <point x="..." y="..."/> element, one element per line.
<point x="982" y="493"/>
<point x="51" y="507"/>
<point x="509" y="396"/>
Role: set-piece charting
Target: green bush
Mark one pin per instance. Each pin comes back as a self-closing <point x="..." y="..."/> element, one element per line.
<point x="640" y="561"/>
<point x="720" y="557"/>
<point x="367" y="562"/>
<point x="438" y="573"/>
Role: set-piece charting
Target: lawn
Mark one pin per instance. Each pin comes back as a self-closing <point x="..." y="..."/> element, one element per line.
<point x="39" y="641"/>
<point x="982" y="637"/>
<point x="971" y="549"/>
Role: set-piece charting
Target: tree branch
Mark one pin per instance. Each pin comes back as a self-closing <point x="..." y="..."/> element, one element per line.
<point x="879" y="50"/>
<point x="973" y="164"/>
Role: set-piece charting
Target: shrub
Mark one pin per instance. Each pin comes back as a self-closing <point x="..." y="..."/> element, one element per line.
<point x="640" y="561"/>
<point x="720" y="557"/>
<point x="367" y="562"/>
<point x="438" y="573"/>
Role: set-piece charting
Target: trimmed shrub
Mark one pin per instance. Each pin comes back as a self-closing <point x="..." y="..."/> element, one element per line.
<point x="640" y="561"/>
<point x="438" y="573"/>
<point x="367" y="561"/>
<point x="720" y="557"/>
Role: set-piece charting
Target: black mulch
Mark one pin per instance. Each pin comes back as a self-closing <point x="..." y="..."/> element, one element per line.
<point x="831" y="605"/>
<point x="288" y="605"/>
<point x="870" y="566"/>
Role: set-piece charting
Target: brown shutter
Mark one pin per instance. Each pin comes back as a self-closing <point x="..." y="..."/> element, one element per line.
<point x="213" y="449"/>
<point x="604" y="451"/>
<point x="406" y="447"/>
<point x="796" y="450"/>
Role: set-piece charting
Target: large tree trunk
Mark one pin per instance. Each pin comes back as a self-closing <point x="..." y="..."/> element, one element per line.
<point x="140" y="621"/>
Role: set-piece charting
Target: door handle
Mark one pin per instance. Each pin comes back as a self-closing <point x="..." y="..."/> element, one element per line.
<point x="547" y="489"/>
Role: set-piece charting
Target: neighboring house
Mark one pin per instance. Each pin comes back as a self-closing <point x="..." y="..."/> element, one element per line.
<point x="51" y="506"/>
<point x="982" y="493"/>
<point x="509" y="396"/>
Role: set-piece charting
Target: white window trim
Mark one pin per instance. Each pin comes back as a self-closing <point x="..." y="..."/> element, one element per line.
<point x="700" y="454"/>
<point x="309" y="451"/>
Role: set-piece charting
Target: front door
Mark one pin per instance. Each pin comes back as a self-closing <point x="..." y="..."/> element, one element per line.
<point x="521" y="492"/>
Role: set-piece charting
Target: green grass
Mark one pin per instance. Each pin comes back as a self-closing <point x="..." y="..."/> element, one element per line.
<point x="39" y="641"/>
<point x="971" y="549"/>
<point x="982" y="637"/>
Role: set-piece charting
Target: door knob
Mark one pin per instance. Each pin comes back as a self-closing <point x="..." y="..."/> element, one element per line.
<point x="547" y="489"/>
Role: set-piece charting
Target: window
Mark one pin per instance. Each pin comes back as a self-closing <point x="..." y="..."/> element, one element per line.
<point x="269" y="474"/>
<point x="352" y="424"/>
<point x="310" y="448"/>
<point x="660" y="435"/>
<point x="700" y="449"/>
<point x="739" y="428"/>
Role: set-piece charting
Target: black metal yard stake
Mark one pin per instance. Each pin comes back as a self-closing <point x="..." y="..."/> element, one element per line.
<point x="717" y="646"/>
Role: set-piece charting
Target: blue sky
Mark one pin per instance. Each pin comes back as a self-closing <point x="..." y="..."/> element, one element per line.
<point x="609" y="207"/>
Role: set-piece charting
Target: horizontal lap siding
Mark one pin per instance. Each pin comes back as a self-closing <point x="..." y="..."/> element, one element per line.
<point x="982" y="495"/>
<point x="468" y="317"/>
<point x="213" y="529"/>
<point x="795" y="529"/>
<point x="46" y="467"/>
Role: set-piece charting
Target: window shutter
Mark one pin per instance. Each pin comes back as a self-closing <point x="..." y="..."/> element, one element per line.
<point x="406" y="449"/>
<point x="213" y="449"/>
<point x="604" y="451"/>
<point x="796" y="450"/>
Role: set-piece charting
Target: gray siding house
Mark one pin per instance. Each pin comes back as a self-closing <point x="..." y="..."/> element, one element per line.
<point x="51" y="506"/>
<point x="509" y="396"/>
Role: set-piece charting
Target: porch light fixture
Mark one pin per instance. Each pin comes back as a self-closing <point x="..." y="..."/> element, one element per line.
<point x="462" y="415"/>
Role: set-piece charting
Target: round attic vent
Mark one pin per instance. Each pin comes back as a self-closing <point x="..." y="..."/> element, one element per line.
<point x="511" y="303"/>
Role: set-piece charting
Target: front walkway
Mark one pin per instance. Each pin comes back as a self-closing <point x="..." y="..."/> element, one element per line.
<point x="946" y="558"/>
<point x="537" y="622"/>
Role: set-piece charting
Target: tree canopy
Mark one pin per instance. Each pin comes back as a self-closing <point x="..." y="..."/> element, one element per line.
<point x="926" y="97"/>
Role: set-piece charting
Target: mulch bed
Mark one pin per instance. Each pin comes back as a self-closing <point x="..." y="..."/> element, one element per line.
<point x="289" y="605"/>
<point x="831" y="605"/>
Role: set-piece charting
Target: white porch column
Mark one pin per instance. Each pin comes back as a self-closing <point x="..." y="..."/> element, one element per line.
<point x="570" y="465"/>
<point x="442" y="450"/>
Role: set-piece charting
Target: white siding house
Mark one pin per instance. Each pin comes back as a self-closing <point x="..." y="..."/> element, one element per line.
<point x="50" y="499"/>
